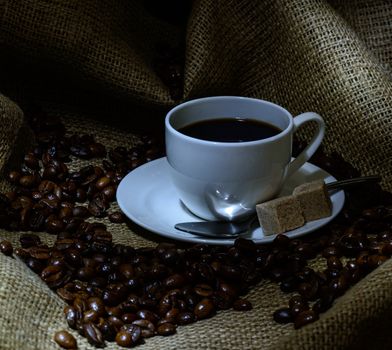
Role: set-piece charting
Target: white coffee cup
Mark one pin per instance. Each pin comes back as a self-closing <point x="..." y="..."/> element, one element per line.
<point x="225" y="180"/>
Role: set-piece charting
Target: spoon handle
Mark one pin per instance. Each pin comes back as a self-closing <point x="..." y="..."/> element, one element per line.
<point x="352" y="182"/>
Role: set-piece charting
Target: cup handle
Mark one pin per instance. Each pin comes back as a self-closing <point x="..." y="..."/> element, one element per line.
<point x="304" y="156"/>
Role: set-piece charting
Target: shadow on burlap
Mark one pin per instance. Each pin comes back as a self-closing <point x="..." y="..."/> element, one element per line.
<point x="95" y="59"/>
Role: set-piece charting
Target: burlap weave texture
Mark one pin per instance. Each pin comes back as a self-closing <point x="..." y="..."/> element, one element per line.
<point x="332" y="57"/>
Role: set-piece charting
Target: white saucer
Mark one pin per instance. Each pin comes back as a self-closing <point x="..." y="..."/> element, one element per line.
<point x="148" y="197"/>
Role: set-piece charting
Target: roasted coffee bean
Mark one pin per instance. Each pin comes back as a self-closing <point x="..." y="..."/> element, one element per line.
<point x="80" y="303"/>
<point x="86" y="171"/>
<point x="228" y="289"/>
<point x="114" y="294"/>
<point x="64" y="243"/>
<point x="331" y="273"/>
<point x="330" y="251"/>
<point x="204" y="290"/>
<point x="146" y="326"/>
<point x="98" y="205"/>
<point x="351" y="244"/>
<point x="65" y="294"/>
<point x="304" y="318"/>
<point x="362" y="259"/>
<point x="46" y="186"/>
<point x="93" y="335"/>
<point x="204" y="309"/>
<point x="14" y="176"/>
<point x="36" y="196"/>
<point x="28" y="240"/>
<point x="34" y="264"/>
<point x="103" y="237"/>
<point x="304" y="275"/>
<point x="25" y="202"/>
<point x="172" y="314"/>
<point x="114" y="311"/>
<point x="297" y="309"/>
<point x="128" y="336"/>
<point x="80" y="212"/>
<point x="185" y="317"/>
<point x="281" y="241"/>
<point x="65" y="213"/>
<point x="90" y="316"/>
<point x="309" y="290"/>
<point x="31" y="161"/>
<point x="387" y="248"/>
<point x="6" y="248"/>
<point x="109" y="192"/>
<point x="175" y="281"/>
<point x="54" y="225"/>
<point x="376" y="260"/>
<point x="108" y="332"/>
<point x="283" y="315"/>
<point x="158" y="271"/>
<point x="115" y="322"/>
<point x="99" y="282"/>
<point x="323" y="304"/>
<point x="129" y="317"/>
<point x="306" y="250"/>
<point x="28" y="181"/>
<point x="245" y="246"/>
<point x="50" y="172"/>
<point x="22" y="253"/>
<point x="298" y="300"/>
<point x="338" y="285"/>
<point x="102" y="182"/>
<point x="72" y="316"/>
<point x="85" y="273"/>
<point x="97" y="305"/>
<point x="80" y="195"/>
<point x="289" y="284"/>
<point x="65" y="340"/>
<point x="117" y="217"/>
<point x="53" y="276"/>
<point x="166" y="329"/>
<point x="36" y="220"/>
<point x="81" y="151"/>
<point x="147" y="315"/>
<point x="39" y="252"/>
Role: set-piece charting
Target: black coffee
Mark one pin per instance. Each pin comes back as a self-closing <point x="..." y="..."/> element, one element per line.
<point x="230" y="130"/>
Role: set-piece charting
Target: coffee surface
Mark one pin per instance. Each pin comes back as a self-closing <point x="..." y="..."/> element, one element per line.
<point x="230" y="130"/>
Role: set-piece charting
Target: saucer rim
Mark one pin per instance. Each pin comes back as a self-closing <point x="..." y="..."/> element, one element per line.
<point x="179" y="235"/>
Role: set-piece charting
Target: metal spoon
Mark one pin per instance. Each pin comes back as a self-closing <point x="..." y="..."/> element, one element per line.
<point x="227" y="229"/>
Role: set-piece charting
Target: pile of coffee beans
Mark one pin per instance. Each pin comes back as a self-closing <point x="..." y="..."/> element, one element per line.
<point x="117" y="293"/>
<point x="122" y="294"/>
<point x="49" y="197"/>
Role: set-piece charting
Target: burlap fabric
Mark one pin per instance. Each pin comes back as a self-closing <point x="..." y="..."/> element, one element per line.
<point x="95" y="58"/>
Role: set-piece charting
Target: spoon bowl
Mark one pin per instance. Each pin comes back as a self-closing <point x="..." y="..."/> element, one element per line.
<point x="217" y="229"/>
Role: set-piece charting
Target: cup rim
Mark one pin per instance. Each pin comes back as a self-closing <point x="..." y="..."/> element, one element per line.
<point x="182" y="105"/>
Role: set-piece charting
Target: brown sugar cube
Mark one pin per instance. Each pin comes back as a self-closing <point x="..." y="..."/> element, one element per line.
<point x="314" y="199"/>
<point x="280" y="215"/>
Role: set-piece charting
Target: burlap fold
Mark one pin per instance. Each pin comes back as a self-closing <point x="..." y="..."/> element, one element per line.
<point x="96" y="58"/>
